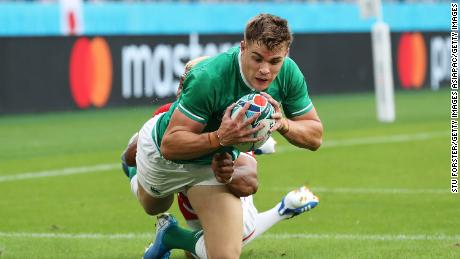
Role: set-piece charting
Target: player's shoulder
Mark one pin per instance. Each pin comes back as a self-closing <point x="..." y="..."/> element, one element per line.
<point x="290" y="70"/>
<point x="218" y="64"/>
<point x="214" y="69"/>
<point x="289" y="65"/>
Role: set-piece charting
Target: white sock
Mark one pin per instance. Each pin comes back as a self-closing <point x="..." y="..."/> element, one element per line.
<point x="264" y="221"/>
<point x="134" y="185"/>
<point x="200" y="248"/>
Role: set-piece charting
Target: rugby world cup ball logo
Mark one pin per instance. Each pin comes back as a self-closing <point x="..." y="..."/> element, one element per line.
<point x="90" y="72"/>
<point x="412" y="60"/>
<point x="258" y="104"/>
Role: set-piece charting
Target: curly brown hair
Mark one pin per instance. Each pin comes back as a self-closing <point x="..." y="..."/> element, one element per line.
<point x="269" y="30"/>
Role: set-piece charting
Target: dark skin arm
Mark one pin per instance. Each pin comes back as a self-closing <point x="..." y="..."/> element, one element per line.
<point x="130" y="154"/>
<point x="240" y="174"/>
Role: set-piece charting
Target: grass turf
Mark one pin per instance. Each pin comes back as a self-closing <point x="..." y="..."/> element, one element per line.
<point x="384" y="188"/>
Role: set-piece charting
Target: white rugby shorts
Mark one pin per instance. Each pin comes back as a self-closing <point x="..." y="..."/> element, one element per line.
<point x="160" y="177"/>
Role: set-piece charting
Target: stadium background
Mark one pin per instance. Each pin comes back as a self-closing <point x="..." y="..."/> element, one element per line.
<point x="143" y="47"/>
<point x="76" y="81"/>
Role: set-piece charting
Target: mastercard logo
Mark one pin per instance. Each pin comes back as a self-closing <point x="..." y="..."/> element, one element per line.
<point x="412" y="60"/>
<point x="90" y="72"/>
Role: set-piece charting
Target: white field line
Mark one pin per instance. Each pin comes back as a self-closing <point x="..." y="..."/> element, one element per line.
<point x="76" y="236"/>
<point x="280" y="149"/>
<point x="384" y="237"/>
<point x="60" y="172"/>
<point x="372" y="140"/>
<point x="281" y="236"/>
<point x="319" y="190"/>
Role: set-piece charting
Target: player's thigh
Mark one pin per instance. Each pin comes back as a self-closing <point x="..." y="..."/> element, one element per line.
<point x="221" y="216"/>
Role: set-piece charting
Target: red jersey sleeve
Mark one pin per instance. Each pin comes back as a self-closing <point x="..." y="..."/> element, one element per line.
<point x="162" y="109"/>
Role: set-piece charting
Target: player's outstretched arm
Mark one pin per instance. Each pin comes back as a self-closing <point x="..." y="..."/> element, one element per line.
<point x="184" y="139"/>
<point x="305" y="131"/>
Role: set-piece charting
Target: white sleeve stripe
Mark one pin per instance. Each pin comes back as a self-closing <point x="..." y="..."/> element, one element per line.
<point x="304" y="109"/>
<point x="191" y="114"/>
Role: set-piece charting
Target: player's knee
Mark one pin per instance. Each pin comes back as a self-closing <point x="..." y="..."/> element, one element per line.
<point x="152" y="211"/>
<point x="153" y="206"/>
<point x="227" y="252"/>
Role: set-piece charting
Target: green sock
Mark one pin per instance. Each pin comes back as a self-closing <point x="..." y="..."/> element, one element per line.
<point x="181" y="238"/>
<point x="132" y="172"/>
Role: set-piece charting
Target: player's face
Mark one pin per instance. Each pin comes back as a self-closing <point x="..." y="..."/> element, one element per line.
<point x="261" y="66"/>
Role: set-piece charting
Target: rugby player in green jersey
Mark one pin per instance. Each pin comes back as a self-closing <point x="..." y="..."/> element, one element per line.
<point x="255" y="223"/>
<point x="175" y="149"/>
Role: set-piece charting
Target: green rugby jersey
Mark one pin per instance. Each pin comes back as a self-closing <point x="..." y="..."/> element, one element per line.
<point x="217" y="82"/>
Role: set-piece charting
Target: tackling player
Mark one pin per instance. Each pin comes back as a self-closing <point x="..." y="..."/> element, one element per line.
<point x="175" y="149"/>
<point x="254" y="223"/>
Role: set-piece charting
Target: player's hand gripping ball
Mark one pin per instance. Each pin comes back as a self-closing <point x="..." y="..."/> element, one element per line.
<point x="258" y="105"/>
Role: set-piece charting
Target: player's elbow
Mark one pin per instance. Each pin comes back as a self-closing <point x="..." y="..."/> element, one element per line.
<point x="244" y="187"/>
<point x="245" y="181"/>
<point x="316" y="139"/>
<point x="251" y="186"/>
<point x="166" y="150"/>
<point x="309" y="143"/>
<point x="167" y="153"/>
<point x="316" y="144"/>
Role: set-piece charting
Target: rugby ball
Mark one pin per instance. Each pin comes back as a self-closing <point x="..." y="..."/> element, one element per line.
<point x="258" y="105"/>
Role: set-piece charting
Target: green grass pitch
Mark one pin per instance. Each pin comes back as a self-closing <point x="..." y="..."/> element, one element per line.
<point x="384" y="188"/>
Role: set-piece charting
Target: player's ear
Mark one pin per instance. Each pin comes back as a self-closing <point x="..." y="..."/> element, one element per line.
<point x="242" y="45"/>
